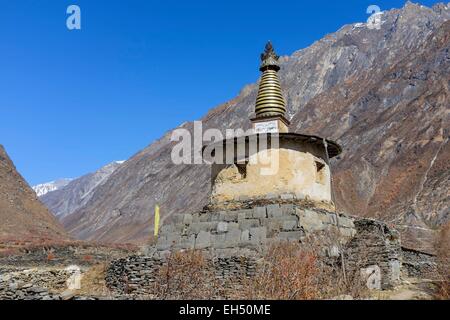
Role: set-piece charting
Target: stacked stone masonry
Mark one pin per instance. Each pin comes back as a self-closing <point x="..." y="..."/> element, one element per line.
<point x="251" y="228"/>
<point x="375" y="253"/>
<point x="136" y="274"/>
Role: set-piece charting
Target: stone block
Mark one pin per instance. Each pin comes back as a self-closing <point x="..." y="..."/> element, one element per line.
<point x="289" y="225"/>
<point x="195" y="217"/>
<point x="272" y="196"/>
<point x="218" y="239"/>
<point x="204" y="217"/>
<point x="167" y="241"/>
<point x="214" y="216"/>
<point x="259" y="212"/>
<point x="232" y="238"/>
<point x="333" y="251"/>
<point x="325" y="218"/>
<point x="187" y="218"/>
<point x="274" y="226"/>
<point x="245" y="236"/>
<point x="285" y="218"/>
<point x="249" y="213"/>
<point x="273" y="210"/>
<point x="186" y="242"/>
<point x="203" y="240"/>
<point x="178" y="218"/>
<point x="248" y="223"/>
<point x="332" y="218"/>
<point x="287" y="209"/>
<point x="346" y="222"/>
<point x="290" y="235"/>
<point x="241" y="215"/>
<point x="395" y="271"/>
<point x="371" y="275"/>
<point x="167" y="228"/>
<point x="196" y="227"/>
<point x="222" y="227"/>
<point x="310" y="221"/>
<point x="233" y="226"/>
<point x="228" y="216"/>
<point x="258" y="235"/>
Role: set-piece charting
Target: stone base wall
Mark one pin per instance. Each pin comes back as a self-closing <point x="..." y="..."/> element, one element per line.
<point x="132" y="274"/>
<point x="136" y="274"/>
<point x="251" y="228"/>
<point x="235" y="240"/>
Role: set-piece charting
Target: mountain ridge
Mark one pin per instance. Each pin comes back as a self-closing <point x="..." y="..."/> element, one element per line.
<point x="65" y="200"/>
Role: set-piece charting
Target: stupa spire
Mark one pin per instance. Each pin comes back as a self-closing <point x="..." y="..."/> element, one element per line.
<point x="270" y="101"/>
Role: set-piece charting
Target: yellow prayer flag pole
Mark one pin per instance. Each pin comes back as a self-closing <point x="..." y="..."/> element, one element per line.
<point x="156" y="227"/>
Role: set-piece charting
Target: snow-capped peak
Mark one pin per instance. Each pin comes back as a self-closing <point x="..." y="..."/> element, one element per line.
<point x="44" y="188"/>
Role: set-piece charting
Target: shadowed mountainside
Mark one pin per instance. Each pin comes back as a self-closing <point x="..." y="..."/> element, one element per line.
<point x="23" y="217"/>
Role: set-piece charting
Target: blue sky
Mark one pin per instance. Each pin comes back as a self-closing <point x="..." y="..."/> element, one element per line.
<point x="72" y="101"/>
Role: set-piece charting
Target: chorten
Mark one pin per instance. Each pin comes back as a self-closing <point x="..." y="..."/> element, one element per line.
<point x="271" y="162"/>
<point x="270" y="185"/>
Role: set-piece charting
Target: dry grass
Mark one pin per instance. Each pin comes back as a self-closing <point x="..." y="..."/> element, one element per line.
<point x="93" y="282"/>
<point x="185" y="275"/>
<point x="442" y="247"/>
<point x="288" y="271"/>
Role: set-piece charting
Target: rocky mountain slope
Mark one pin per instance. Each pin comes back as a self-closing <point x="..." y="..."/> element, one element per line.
<point x="23" y="217"/>
<point x="44" y="188"/>
<point x="382" y="93"/>
<point x="64" y="201"/>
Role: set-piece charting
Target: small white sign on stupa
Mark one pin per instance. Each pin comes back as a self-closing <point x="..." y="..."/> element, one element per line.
<point x="267" y="127"/>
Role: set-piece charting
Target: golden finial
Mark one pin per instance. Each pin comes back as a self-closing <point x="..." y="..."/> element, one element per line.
<point x="269" y="59"/>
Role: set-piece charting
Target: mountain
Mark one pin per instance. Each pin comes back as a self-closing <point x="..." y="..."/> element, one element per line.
<point x="67" y="199"/>
<point x="381" y="93"/>
<point x="23" y="217"/>
<point x="47" y="187"/>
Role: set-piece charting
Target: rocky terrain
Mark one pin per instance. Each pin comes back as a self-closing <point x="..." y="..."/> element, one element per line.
<point x="76" y="193"/>
<point x="24" y="219"/>
<point x="381" y="93"/>
<point x="45" y="273"/>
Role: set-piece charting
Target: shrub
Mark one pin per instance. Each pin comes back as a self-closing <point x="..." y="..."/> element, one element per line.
<point x="87" y="258"/>
<point x="288" y="272"/>
<point x="50" y="256"/>
<point x="185" y="275"/>
<point x="442" y="247"/>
